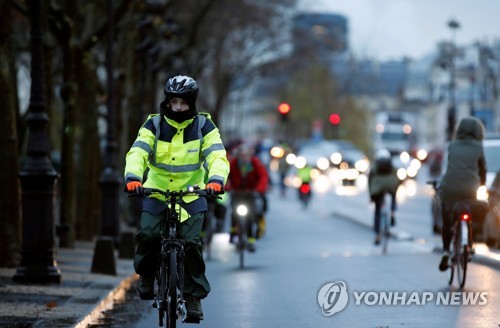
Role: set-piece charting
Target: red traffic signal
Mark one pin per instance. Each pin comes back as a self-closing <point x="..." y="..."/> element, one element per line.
<point x="334" y="119"/>
<point x="284" y="108"/>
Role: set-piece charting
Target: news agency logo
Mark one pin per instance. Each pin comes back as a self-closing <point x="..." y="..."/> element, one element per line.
<point x="333" y="298"/>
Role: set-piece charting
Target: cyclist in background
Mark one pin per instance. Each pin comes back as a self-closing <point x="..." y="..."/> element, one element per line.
<point x="247" y="173"/>
<point x="465" y="172"/>
<point x="381" y="179"/>
<point x="283" y="167"/>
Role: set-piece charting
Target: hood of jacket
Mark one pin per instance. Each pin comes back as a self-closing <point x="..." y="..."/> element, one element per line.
<point x="470" y="128"/>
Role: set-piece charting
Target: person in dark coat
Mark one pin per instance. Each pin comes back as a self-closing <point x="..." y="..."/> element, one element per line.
<point x="382" y="179"/>
<point x="465" y="173"/>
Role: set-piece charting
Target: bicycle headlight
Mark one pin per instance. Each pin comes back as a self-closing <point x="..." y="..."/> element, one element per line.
<point x="242" y="210"/>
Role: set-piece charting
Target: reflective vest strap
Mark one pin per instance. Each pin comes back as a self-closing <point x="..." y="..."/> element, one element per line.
<point x="201" y="122"/>
<point x="156" y="123"/>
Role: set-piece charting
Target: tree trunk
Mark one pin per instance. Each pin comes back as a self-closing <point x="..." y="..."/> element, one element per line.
<point x="89" y="162"/>
<point x="10" y="196"/>
<point x="68" y="178"/>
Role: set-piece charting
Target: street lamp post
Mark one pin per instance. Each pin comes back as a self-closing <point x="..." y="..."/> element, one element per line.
<point x="110" y="180"/>
<point x="37" y="176"/>
<point x="452" y="111"/>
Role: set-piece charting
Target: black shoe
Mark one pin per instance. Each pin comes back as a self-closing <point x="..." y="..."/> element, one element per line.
<point x="251" y="247"/>
<point x="145" y="287"/>
<point x="443" y="266"/>
<point x="393" y="220"/>
<point x="378" y="238"/>
<point x="193" y="308"/>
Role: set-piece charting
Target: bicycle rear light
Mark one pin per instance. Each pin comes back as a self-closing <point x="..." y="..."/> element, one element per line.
<point x="305" y="188"/>
<point x="465" y="217"/>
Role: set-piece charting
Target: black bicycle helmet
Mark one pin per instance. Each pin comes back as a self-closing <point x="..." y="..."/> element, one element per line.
<point x="183" y="87"/>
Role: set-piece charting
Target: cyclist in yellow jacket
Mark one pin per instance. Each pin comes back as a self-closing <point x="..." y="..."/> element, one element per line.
<point x="177" y="147"/>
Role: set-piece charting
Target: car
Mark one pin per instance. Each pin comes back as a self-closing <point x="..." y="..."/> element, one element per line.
<point x="317" y="154"/>
<point x="353" y="163"/>
<point x="492" y="220"/>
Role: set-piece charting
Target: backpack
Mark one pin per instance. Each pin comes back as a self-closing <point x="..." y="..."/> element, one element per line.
<point x="384" y="165"/>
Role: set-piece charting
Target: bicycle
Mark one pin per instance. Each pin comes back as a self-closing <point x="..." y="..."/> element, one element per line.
<point x="169" y="277"/>
<point x="385" y="221"/>
<point x="461" y="242"/>
<point x="245" y="207"/>
<point x="305" y="194"/>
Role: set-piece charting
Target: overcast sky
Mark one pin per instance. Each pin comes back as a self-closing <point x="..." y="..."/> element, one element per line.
<point x="391" y="29"/>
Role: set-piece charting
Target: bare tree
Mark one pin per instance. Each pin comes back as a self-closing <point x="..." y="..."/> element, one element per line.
<point x="10" y="220"/>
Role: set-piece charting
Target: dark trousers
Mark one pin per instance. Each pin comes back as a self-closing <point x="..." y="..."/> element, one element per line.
<point x="379" y="200"/>
<point x="148" y="252"/>
<point x="446" y="232"/>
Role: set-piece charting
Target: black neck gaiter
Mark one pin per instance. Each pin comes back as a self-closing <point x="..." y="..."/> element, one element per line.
<point x="179" y="117"/>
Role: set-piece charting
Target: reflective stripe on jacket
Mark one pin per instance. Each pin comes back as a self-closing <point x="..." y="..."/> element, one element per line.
<point x="175" y="161"/>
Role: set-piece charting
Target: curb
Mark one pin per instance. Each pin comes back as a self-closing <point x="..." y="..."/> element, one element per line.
<point x="115" y="295"/>
<point x="397" y="234"/>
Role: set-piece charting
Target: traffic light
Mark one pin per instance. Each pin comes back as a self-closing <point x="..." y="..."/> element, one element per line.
<point x="334" y="119"/>
<point x="284" y="110"/>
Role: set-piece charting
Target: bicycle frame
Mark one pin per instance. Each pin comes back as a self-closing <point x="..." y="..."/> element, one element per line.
<point x="169" y="296"/>
<point x="169" y="278"/>
<point x="461" y="242"/>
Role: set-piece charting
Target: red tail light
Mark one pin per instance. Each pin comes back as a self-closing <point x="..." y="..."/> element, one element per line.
<point x="305" y="188"/>
<point x="465" y="217"/>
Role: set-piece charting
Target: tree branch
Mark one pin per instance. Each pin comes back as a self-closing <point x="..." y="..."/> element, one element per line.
<point x="19" y="7"/>
<point x="89" y="40"/>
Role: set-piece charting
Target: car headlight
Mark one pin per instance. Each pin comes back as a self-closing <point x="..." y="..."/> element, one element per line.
<point x="336" y="158"/>
<point x="362" y="165"/>
<point x="401" y="174"/>
<point x="323" y="163"/>
<point x="482" y="193"/>
<point x="300" y="162"/>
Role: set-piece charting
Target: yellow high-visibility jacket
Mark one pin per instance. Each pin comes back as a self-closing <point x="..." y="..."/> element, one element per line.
<point x="177" y="156"/>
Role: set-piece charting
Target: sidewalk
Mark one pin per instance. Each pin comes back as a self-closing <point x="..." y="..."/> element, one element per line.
<point x="76" y="302"/>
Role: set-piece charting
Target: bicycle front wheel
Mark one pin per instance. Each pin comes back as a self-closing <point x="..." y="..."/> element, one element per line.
<point x="172" y="289"/>
<point x="242" y="241"/>
<point x="161" y="297"/>
<point x="462" y="266"/>
<point x="464" y="253"/>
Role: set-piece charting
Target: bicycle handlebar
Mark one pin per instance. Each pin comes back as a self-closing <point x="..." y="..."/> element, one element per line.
<point x="192" y="190"/>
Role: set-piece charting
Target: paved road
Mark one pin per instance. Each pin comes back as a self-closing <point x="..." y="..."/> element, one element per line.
<point x="305" y="250"/>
